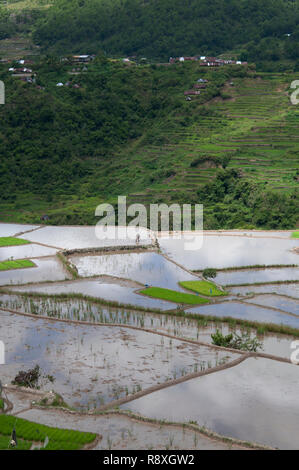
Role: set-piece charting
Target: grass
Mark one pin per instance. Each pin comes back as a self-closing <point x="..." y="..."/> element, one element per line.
<point x="72" y="270"/>
<point x="28" y="433"/>
<point x="250" y="266"/>
<point x="26" y="4"/>
<point x="203" y="287"/>
<point x="16" y="264"/>
<point x="295" y="234"/>
<point x="173" y="296"/>
<point x="12" y="241"/>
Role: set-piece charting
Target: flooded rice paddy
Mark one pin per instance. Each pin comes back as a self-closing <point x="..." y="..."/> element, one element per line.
<point x="94" y="365"/>
<point x="282" y="303"/>
<point x="146" y="268"/>
<point x="9" y="230"/>
<point x="181" y="327"/>
<point x="121" y="432"/>
<point x="46" y="269"/>
<point x="257" y="275"/>
<point x="26" y="251"/>
<point x="247" y="312"/>
<point x="256" y="400"/>
<point x="231" y="251"/>
<point x="79" y="237"/>
<point x="290" y="289"/>
<point x="123" y="292"/>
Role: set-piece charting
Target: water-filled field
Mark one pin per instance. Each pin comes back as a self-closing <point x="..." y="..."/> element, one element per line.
<point x="114" y="290"/>
<point x="247" y="312"/>
<point x="93" y="361"/>
<point x="47" y="269"/>
<point x="9" y="230"/>
<point x="85" y="237"/>
<point x="93" y="365"/>
<point x="289" y="289"/>
<point x="231" y="251"/>
<point x="147" y="268"/>
<point x="258" y="275"/>
<point x="255" y="400"/>
<point x="26" y="251"/>
<point x="282" y="303"/>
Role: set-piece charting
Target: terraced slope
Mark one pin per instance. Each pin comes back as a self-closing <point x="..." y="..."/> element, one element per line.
<point x="256" y="126"/>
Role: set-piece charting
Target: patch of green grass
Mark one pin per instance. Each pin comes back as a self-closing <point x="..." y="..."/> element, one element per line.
<point x="295" y="234"/>
<point x="203" y="287"/>
<point x="28" y="432"/>
<point x="173" y="296"/>
<point x="16" y="264"/>
<point x="22" y="445"/>
<point x="12" y="241"/>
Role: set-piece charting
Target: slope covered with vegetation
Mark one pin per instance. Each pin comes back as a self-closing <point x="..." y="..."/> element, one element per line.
<point x="162" y="28"/>
<point x="119" y="129"/>
<point x="130" y="131"/>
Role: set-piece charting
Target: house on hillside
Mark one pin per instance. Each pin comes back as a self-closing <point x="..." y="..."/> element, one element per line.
<point x="82" y="58"/>
<point x="21" y="71"/>
<point x="191" y="92"/>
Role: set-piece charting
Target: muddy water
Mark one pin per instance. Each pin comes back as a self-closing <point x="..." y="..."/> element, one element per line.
<point x="121" y="432"/>
<point x="93" y="365"/>
<point x="256" y="400"/>
<point x="181" y="327"/>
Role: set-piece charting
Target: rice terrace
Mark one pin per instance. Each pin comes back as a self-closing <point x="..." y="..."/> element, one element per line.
<point x="124" y="328"/>
<point x="119" y="336"/>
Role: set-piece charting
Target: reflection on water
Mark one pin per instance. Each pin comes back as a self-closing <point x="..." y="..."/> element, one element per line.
<point x="83" y="237"/>
<point x="291" y="290"/>
<point x="246" y="312"/>
<point x="223" y="252"/>
<point x="182" y="327"/>
<point x="147" y="268"/>
<point x="256" y="401"/>
<point x="47" y="269"/>
<point x="8" y="230"/>
<point x="282" y="303"/>
<point x="93" y="365"/>
<point x="102" y="289"/>
<point x="25" y="251"/>
<point x="257" y="275"/>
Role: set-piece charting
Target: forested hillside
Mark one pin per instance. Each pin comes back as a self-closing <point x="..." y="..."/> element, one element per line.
<point x="126" y="128"/>
<point x="114" y="129"/>
<point x="162" y="28"/>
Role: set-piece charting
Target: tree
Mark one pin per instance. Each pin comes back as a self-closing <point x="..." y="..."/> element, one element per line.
<point x="209" y="273"/>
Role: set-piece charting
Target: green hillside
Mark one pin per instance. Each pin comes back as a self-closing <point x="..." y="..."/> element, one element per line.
<point x="162" y="28"/>
<point x="128" y="130"/>
<point x="263" y="31"/>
